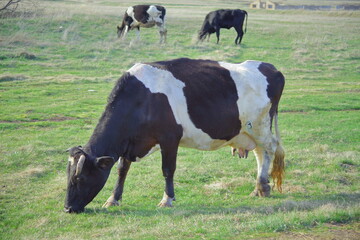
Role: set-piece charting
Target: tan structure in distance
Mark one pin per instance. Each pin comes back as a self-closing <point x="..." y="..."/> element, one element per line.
<point x="258" y="4"/>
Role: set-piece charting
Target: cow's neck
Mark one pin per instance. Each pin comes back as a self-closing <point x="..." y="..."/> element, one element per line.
<point x="108" y="139"/>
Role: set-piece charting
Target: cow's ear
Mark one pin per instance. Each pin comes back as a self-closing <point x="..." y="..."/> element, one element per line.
<point x="105" y="162"/>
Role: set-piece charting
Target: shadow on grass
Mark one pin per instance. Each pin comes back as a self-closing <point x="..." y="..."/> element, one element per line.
<point x="8" y="78"/>
<point x="339" y="201"/>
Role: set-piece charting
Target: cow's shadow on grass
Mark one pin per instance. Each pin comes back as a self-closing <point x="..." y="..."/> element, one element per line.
<point x="338" y="200"/>
<point x="11" y="78"/>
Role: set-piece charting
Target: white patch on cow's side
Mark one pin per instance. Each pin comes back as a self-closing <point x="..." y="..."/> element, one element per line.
<point x="130" y="12"/>
<point x="154" y="14"/>
<point x="251" y="86"/>
<point x="153" y="149"/>
<point x="161" y="81"/>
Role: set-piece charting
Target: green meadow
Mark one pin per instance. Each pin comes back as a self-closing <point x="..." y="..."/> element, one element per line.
<point x="58" y="64"/>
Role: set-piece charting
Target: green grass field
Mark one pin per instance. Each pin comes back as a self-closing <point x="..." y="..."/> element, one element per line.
<point x="58" y="66"/>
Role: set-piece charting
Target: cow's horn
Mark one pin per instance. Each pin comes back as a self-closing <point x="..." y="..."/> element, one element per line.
<point x="80" y="164"/>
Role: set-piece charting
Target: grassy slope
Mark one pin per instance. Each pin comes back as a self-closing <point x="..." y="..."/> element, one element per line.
<point x="52" y="102"/>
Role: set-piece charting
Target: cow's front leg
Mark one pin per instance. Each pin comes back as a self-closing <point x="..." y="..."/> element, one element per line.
<point x="168" y="154"/>
<point x="162" y="32"/>
<point x="262" y="188"/>
<point x="125" y="32"/>
<point x="116" y="196"/>
<point x="169" y="193"/>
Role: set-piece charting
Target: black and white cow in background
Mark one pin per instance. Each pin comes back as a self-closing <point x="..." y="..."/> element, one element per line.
<point x="143" y="16"/>
<point x="199" y="104"/>
<point x="224" y="18"/>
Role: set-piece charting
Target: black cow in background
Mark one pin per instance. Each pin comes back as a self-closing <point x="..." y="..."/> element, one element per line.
<point x="224" y="18"/>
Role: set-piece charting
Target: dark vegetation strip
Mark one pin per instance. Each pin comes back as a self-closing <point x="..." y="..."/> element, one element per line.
<point x="54" y="119"/>
<point x="326" y="110"/>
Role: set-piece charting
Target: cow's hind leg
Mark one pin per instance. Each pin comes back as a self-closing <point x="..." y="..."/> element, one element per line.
<point x="123" y="169"/>
<point x="168" y="153"/>
<point x="267" y="156"/>
<point x="263" y="159"/>
<point x="137" y="32"/>
<point x="236" y="39"/>
<point x="240" y="34"/>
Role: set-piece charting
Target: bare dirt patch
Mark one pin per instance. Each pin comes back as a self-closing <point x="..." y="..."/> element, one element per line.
<point x="329" y="231"/>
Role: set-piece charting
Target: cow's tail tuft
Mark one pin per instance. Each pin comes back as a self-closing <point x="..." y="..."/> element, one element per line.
<point x="278" y="169"/>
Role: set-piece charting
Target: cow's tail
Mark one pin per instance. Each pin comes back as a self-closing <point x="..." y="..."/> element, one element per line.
<point x="246" y="16"/>
<point x="278" y="169"/>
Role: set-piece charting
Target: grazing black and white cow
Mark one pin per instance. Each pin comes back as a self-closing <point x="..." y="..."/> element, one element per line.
<point x="199" y="104"/>
<point x="224" y="18"/>
<point x="143" y="16"/>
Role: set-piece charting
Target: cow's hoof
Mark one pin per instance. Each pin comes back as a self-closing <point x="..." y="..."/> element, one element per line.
<point x="255" y="193"/>
<point x="165" y="204"/>
<point x="166" y="201"/>
<point x="262" y="188"/>
<point x="111" y="204"/>
<point x="259" y="193"/>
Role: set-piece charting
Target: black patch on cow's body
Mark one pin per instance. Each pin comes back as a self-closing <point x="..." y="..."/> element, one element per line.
<point x="276" y="82"/>
<point x="134" y="121"/>
<point x="140" y="13"/>
<point x="210" y="93"/>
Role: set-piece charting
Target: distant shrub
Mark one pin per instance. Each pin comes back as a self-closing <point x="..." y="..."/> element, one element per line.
<point x="18" y="8"/>
<point x="27" y="55"/>
<point x="7" y="78"/>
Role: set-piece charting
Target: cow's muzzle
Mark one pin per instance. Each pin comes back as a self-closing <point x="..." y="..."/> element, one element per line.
<point x="72" y="210"/>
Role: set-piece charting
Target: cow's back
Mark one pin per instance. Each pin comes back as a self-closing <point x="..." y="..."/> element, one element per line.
<point x="225" y="18"/>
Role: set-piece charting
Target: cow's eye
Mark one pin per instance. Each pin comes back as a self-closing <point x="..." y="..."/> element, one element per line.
<point x="79" y="179"/>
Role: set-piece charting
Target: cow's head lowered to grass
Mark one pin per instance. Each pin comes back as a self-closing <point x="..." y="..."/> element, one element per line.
<point x="86" y="177"/>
